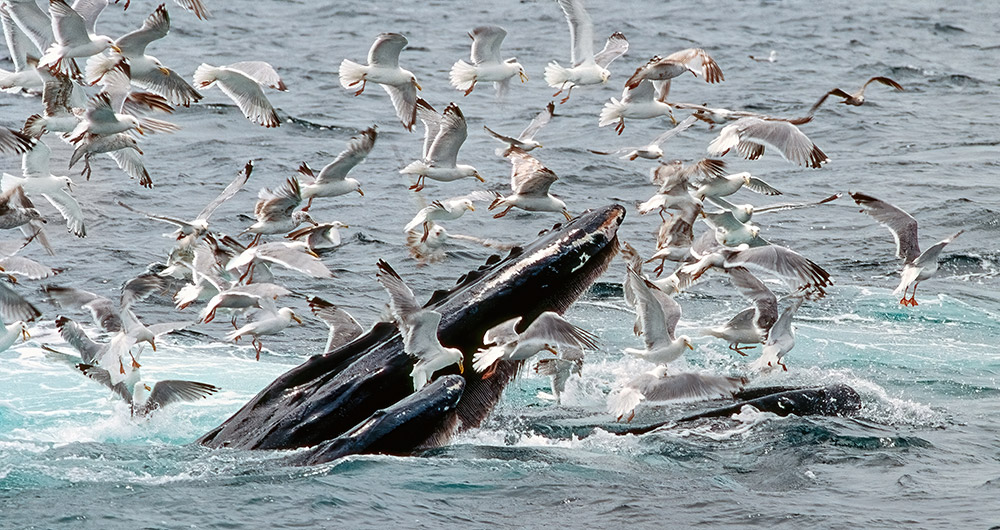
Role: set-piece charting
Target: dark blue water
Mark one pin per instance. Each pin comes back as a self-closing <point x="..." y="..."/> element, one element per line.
<point x="923" y="453"/>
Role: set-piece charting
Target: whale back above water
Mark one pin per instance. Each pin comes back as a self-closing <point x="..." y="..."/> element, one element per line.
<point x="330" y="394"/>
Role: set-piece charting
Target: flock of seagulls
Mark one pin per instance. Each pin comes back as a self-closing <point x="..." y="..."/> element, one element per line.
<point x="102" y="107"/>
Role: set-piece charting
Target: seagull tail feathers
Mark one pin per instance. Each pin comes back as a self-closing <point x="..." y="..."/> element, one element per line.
<point x="462" y="76"/>
<point x="204" y="75"/>
<point x="417" y="167"/>
<point x="613" y="111"/>
<point x="556" y="75"/>
<point x="351" y="73"/>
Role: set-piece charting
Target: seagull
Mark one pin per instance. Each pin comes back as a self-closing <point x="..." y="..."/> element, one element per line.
<point x="486" y="63"/>
<point x="383" y="68"/>
<point x="275" y="210"/>
<point x="657" y="314"/>
<point x="121" y="147"/>
<point x="917" y="266"/>
<point x="530" y="182"/>
<point x="744" y="212"/>
<point x="322" y="235"/>
<point x="752" y="325"/>
<point x="780" y="340"/>
<point x="560" y="369"/>
<point x="16" y="209"/>
<point x="240" y="298"/>
<point x="587" y="69"/>
<point x="34" y="22"/>
<point x="771" y="57"/>
<point x="242" y="82"/>
<point x="59" y="114"/>
<point x="25" y="75"/>
<point x="189" y="233"/>
<point x="655" y="386"/>
<point x="505" y="343"/>
<point x="419" y="328"/>
<point x="111" y="317"/>
<point x="638" y="103"/>
<point x="790" y="266"/>
<point x="858" y="98"/>
<point x="443" y="137"/>
<point x="652" y="150"/>
<point x="56" y="189"/>
<point x="9" y="333"/>
<point x="145" y="398"/>
<point x="750" y="135"/>
<point x="14" y="307"/>
<point x="694" y="60"/>
<point x="526" y="140"/>
<point x="731" y="232"/>
<point x="100" y="119"/>
<point x="343" y="327"/>
<point x="295" y="256"/>
<point x="332" y="179"/>
<point x="446" y="210"/>
<point x="271" y="324"/>
<point x="433" y="248"/>
<point x="74" y="36"/>
<point x="727" y="185"/>
<point x="145" y="70"/>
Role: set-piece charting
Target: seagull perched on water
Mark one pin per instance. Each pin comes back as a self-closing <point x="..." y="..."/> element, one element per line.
<point x="587" y="69"/>
<point x="332" y="180"/>
<point x="917" y="266"/>
<point x="383" y="68"/>
<point x="858" y="98"/>
<point x="242" y="82"/>
<point x="419" y="328"/>
<point x="444" y="135"/>
<point x="486" y="63"/>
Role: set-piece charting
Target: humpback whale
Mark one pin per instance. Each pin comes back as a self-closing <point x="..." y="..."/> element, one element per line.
<point x="349" y="399"/>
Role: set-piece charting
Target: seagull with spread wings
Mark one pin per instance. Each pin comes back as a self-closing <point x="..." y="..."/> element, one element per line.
<point x="486" y="63"/>
<point x="587" y="68"/>
<point x="383" y="68"/>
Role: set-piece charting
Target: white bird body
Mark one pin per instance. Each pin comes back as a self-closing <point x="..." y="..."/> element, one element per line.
<point x="383" y="68"/>
<point x="271" y="325"/>
<point x="242" y="82"/>
<point x="486" y="63"/>
<point x="588" y="68"/>
<point x="637" y="103"/>
<point x="443" y="136"/>
<point x="544" y="333"/>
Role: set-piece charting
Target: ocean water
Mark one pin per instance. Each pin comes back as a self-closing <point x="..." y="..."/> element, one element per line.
<point x="923" y="453"/>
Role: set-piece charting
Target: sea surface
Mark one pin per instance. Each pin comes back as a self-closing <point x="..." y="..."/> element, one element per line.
<point x="924" y="452"/>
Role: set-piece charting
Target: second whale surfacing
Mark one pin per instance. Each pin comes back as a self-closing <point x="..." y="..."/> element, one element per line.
<point x="360" y="393"/>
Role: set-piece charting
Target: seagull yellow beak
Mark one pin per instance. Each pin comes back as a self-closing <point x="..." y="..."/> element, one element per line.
<point x="296" y="318"/>
<point x="116" y="48"/>
<point x="478" y="176"/>
<point x="24" y="334"/>
<point x="551" y="349"/>
<point x="568" y="216"/>
<point x="472" y="208"/>
<point x="164" y="70"/>
<point x="688" y="344"/>
<point x="524" y="76"/>
<point x="140" y="131"/>
<point x="416" y="84"/>
<point x="461" y="367"/>
<point x="361" y="192"/>
<point x="152" y="343"/>
<point x="311" y="253"/>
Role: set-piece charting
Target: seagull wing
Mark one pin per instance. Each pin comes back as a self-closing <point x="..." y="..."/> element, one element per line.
<point x="401" y="298"/>
<point x="486" y="42"/>
<point x="540" y="120"/>
<point x="357" y="150"/>
<point x="248" y="96"/>
<point x="156" y="26"/>
<point x="450" y="137"/>
<point x="69" y="28"/>
<point x="615" y="47"/>
<point x="385" y="50"/>
<point x="685" y="386"/>
<point x="901" y="224"/>
<point x="173" y="390"/>
<point x="764" y="301"/>
<point x="343" y="327"/>
<point x="228" y="193"/>
<point x="581" y="31"/>
<point x="552" y="327"/>
<point x="261" y="72"/>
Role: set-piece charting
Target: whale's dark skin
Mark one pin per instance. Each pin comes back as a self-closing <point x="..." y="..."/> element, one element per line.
<point x="420" y="420"/>
<point x="331" y="393"/>
<point x="832" y="400"/>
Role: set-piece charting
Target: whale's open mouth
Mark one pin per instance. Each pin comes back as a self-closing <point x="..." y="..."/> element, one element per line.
<point x="331" y="394"/>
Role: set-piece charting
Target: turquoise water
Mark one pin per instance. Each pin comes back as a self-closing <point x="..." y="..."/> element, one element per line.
<point x="922" y="453"/>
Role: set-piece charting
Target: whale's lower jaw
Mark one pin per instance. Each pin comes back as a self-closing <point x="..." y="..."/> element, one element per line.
<point x="331" y="394"/>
